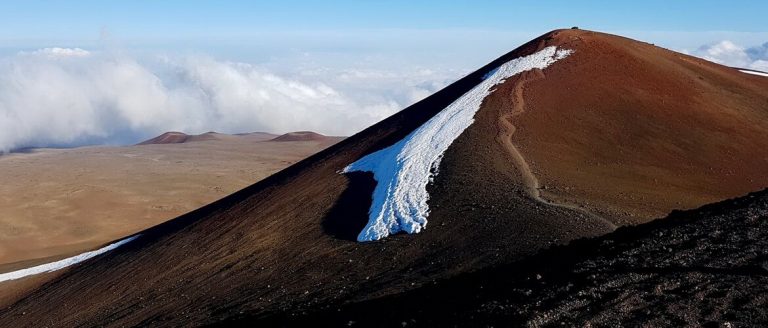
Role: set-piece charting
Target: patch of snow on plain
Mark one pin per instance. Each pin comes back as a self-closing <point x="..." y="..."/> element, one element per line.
<point x="58" y="265"/>
<point x="403" y="170"/>
<point x="754" y="72"/>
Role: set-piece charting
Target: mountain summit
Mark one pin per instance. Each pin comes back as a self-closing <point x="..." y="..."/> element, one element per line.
<point x="569" y="136"/>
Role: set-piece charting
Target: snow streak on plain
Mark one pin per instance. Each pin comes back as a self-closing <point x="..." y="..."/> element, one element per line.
<point x="403" y="170"/>
<point x="754" y="72"/>
<point x="58" y="265"/>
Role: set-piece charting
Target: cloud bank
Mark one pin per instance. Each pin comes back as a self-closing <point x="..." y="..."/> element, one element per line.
<point x="731" y="54"/>
<point x="75" y="96"/>
<point x="72" y="96"/>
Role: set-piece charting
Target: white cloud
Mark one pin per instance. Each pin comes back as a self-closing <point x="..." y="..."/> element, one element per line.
<point x="725" y="52"/>
<point x="59" y="96"/>
<point x="731" y="54"/>
<point x="58" y="52"/>
<point x="760" y="65"/>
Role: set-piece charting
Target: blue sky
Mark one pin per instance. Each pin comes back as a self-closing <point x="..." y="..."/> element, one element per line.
<point x="254" y="30"/>
<point x="455" y="32"/>
<point x="84" y="72"/>
<point x="185" y="19"/>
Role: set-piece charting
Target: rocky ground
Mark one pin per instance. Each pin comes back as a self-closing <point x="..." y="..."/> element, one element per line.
<point x="705" y="267"/>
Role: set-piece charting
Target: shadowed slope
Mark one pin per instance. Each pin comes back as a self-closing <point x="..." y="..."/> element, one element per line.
<point x="716" y="273"/>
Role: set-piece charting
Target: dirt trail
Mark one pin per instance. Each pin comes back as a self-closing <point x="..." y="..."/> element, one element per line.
<point x="507" y="129"/>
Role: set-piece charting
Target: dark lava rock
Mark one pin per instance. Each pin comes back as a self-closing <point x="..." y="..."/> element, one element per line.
<point x="703" y="267"/>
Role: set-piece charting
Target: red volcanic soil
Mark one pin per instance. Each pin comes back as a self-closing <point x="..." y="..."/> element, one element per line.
<point x="301" y="136"/>
<point x="633" y="131"/>
<point x="615" y="132"/>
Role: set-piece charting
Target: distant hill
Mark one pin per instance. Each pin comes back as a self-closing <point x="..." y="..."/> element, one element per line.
<point x="180" y="137"/>
<point x="301" y="136"/>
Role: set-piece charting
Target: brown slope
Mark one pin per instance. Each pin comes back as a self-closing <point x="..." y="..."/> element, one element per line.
<point x="633" y="131"/>
<point x="282" y="244"/>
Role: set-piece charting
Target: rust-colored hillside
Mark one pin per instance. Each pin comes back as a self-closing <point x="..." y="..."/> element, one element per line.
<point x="634" y="131"/>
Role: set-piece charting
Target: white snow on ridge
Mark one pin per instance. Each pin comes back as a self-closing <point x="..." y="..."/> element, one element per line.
<point x="403" y="170"/>
<point x="754" y="72"/>
<point x="58" y="265"/>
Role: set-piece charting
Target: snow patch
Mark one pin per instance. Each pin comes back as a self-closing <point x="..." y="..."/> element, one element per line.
<point x="754" y="72"/>
<point x="403" y="170"/>
<point x="58" y="265"/>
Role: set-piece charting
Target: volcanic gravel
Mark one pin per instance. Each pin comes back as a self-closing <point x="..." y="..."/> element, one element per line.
<point x="705" y="267"/>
